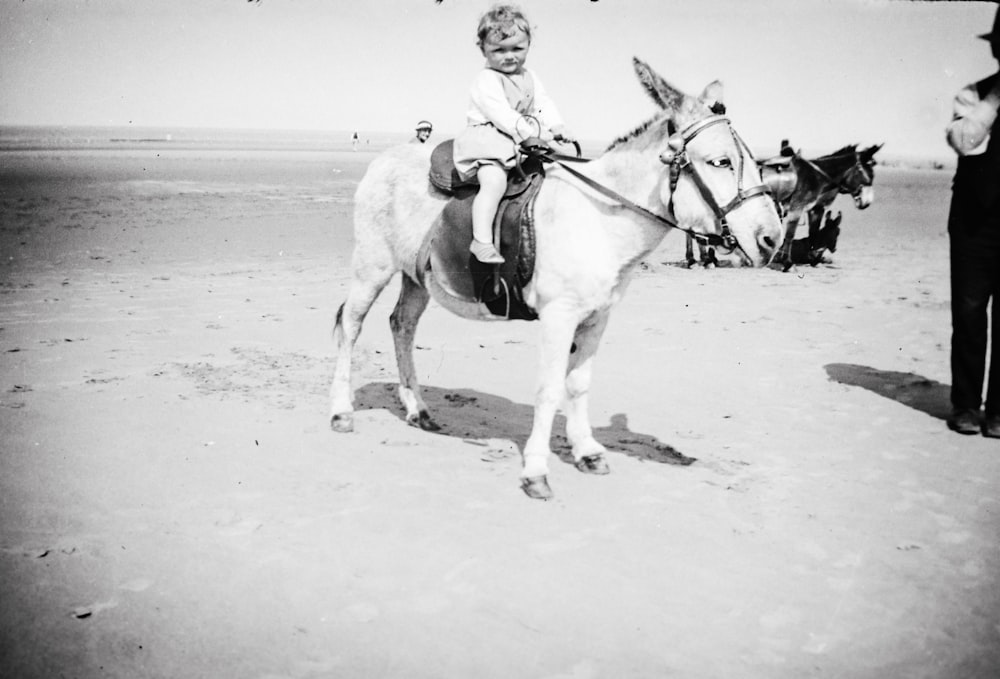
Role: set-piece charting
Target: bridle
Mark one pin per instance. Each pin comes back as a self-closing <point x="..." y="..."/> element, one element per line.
<point x="679" y="162"/>
<point x="840" y="182"/>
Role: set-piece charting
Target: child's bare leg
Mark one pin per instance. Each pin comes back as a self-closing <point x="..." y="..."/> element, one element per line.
<point x="492" y="184"/>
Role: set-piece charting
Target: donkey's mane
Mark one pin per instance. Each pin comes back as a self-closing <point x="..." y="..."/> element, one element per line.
<point x="850" y="149"/>
<point x="641" y="129"/>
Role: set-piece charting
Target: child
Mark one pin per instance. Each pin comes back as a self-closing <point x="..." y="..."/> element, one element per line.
<point x="508" y="105"/>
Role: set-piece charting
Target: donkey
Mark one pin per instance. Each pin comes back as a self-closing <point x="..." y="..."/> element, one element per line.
<point x="686" y="167"/>
<point x="819" y="181"/>
<point x="803" y="186"/>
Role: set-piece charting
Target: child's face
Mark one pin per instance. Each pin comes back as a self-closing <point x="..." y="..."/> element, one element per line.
<point x="507" y="55"/>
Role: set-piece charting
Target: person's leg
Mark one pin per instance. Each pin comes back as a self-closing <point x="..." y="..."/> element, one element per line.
<point x="971" y="277"/>
<point x="492" y="184"/>
<point x="993" y="384"/>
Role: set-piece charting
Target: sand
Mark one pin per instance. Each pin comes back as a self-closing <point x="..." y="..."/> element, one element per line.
<point x="174" y="504"/>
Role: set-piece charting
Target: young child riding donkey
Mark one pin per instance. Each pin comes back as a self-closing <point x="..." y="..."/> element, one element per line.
<point x="686" y="168"/>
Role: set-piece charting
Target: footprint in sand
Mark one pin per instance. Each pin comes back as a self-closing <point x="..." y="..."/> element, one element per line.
<point x="84" y="612"/>
<point x="38" y="552"/>
<point x="136" y="585"/>
<point x="237" y="525"/>
<point x="89" y="610"/>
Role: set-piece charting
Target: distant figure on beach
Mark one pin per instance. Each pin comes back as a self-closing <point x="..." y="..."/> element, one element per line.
<point x="974" y="237"/>
<point x="508" y="105"/>
<point x="354" y="141"/>
<point x="424" y="130"/>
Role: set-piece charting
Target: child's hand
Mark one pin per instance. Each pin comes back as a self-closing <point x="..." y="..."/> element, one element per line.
<point x="561" y="134"/>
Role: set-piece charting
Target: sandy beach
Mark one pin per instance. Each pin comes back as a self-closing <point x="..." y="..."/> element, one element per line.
<point x="174" y="504"/>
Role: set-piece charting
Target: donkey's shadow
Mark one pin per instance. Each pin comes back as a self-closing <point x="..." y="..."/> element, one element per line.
<point x="910" y="389"/>
<point x="470" y="414"/>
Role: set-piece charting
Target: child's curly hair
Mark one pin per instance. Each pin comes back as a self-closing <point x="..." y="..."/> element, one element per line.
<point x="501" y="22"/>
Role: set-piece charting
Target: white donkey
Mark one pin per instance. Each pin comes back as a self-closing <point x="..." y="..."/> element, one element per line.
<point x="686" y="167"/>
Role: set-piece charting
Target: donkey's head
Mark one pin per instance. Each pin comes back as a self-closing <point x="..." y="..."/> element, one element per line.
<point x="711" y="182"/>
<point x="866" y="170"/>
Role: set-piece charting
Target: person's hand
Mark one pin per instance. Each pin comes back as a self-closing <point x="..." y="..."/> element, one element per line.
<point x="535" y="145"/>
<point x="995" y="90"/>
<point x="993" y="96"/>
<point x="561" y="134"/>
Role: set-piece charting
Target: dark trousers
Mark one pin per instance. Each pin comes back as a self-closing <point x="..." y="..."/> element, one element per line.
<point x="975" y="279"/>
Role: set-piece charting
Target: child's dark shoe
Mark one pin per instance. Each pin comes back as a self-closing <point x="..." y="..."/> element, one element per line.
<point x="485" y="252"/>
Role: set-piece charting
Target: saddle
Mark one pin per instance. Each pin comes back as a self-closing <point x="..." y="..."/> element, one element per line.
<point x="445" y="252"/>
<point x="780" y="176"/>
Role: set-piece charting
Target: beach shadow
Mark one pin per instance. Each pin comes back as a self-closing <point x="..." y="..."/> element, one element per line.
<point x="910" y="389"/>
<point x="471" y="414"/>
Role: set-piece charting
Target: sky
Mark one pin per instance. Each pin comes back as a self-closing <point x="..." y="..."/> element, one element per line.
<point x="822" y="73"/>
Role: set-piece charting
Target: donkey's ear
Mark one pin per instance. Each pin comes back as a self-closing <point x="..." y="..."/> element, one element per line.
<point x="712" y="94"/>
<point x="870" y="152"/>
<point x="663" y="93"/>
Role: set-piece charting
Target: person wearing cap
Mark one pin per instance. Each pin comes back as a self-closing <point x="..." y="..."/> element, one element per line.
<point x="424" y="129"/>
<point x="974" y="245"/>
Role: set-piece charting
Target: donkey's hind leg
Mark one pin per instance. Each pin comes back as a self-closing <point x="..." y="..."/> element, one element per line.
<point x="350" y="316"/>
<point x="412" y="301"/>
<point x="588" y="454"/>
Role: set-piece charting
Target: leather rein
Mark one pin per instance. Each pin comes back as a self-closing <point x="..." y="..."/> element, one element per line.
<point x="679" y="162"/>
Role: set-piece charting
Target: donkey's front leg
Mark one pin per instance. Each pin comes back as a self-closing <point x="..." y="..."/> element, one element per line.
<point x="587" y="452"/>
<point x="557" y="328"/>
<point x="784" y="256"/>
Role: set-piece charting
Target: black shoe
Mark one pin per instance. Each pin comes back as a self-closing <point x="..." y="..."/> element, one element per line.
<point x="966" y="421"/>
<point x="991" y="427"/>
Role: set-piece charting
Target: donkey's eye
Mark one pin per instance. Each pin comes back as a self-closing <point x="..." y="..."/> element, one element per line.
<point x="721" y="162"/>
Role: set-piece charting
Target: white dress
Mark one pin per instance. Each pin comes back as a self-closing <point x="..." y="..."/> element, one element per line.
<point x="503" y="111"/>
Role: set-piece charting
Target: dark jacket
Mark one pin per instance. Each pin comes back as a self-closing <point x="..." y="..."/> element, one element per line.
<point x="976" y="189"/>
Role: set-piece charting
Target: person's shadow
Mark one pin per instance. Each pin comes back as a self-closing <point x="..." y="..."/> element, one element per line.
<point x="910" y="389"/>
<point x="470" y="414"/>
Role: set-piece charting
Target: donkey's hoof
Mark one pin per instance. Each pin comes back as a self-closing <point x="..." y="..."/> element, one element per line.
<point x="593" y="464"/>
<point x="424" y="421"/>
<point x="537" y="487"/>
<point x="342" y="422"/>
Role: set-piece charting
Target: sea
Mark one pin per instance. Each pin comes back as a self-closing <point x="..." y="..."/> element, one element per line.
<point x="94" y="138"/>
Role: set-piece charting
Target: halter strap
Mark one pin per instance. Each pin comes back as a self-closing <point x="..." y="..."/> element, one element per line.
<point x="678" y="163"/>
<point x="837" y="181"/>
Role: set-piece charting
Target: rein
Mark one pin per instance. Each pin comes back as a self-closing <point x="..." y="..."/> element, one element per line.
<point x="678" y="162"/>
<point x="561" y="160"/>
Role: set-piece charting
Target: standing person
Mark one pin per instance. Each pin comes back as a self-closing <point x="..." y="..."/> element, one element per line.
<point x="974" y="236"/>
<point x="354" y="141"/>
<point x="424" y="130"/>
<point x="508" y="104"/>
